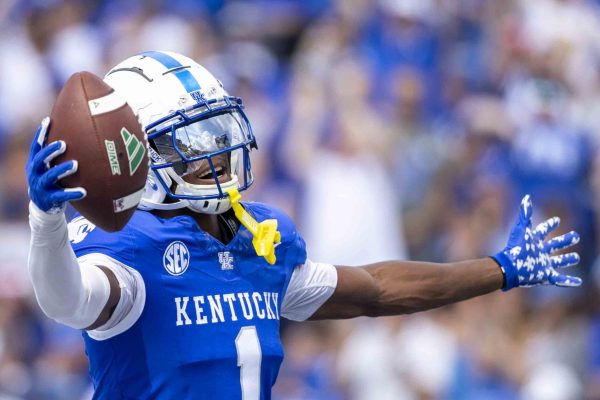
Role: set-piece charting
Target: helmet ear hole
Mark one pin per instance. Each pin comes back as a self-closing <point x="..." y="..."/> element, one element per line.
<point x="154" y="192"/>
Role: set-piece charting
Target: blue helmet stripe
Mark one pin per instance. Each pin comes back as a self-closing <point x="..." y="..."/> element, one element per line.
<point x="185" y="77"/>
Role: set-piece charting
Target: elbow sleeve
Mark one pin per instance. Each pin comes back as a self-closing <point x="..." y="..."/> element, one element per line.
<point x="94" y="292"/>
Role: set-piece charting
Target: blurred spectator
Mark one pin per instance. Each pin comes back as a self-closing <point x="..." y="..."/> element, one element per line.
<point x="347" y="182"/>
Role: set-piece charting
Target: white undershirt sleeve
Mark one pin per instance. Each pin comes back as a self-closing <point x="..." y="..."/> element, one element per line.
<point x="311" y="285"/>
<point x="75" y="293"/>
<point x="69" y="294"/>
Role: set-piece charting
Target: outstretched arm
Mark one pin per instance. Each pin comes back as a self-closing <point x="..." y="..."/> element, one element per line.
<point x="404" y="287"/>
<point x="401" y="287"/>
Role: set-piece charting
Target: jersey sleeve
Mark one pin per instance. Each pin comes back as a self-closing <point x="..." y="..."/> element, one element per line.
<point x="311" y="285"/>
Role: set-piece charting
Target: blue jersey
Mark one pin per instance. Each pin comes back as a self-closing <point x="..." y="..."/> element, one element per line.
<point x="210" y="324"/>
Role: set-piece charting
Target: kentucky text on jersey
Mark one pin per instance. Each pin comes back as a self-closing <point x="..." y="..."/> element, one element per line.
<point x="209" y="309"/>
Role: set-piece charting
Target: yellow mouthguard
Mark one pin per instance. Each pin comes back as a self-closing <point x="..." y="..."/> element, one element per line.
<point x="266" y="235"/>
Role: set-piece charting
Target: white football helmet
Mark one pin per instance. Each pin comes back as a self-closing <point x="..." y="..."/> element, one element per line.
<point x="199" y="136"/>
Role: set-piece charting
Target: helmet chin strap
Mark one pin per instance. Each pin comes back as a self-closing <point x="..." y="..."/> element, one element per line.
<point x="213" y="206"/>
<point x="198" y="206"/>
<point x="151" y="205"/>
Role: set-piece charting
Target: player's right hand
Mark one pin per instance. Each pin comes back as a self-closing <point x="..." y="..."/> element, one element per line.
<point x="44" y="190"/>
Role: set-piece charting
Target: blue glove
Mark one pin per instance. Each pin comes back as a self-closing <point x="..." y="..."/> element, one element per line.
<point x="44" y="191"/>
<point x="527" y="261"/>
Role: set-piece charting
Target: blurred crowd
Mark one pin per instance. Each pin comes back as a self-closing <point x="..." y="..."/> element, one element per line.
<point x="388" y="129"/>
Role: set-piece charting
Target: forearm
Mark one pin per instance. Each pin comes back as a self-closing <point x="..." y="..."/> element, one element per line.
<point x="407" y="287"/>
<point x="403" y="287"/>
<point x="64" y="291"/>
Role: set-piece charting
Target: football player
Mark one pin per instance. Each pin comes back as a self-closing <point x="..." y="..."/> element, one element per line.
<point x="179" y="304"/>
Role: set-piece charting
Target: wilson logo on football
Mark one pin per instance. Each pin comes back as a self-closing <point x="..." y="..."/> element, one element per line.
<point x="176" y="258"/>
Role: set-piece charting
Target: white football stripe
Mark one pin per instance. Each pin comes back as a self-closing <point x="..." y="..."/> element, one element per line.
<point x="127" y="202"/>
<point x="105" y="104"/>
<point x="43" y="131"/>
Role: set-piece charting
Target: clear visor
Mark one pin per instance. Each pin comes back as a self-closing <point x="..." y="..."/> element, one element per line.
<point x="200" y="138"/>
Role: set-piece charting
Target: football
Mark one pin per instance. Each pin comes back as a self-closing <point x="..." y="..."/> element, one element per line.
<point x="103" y="134"/>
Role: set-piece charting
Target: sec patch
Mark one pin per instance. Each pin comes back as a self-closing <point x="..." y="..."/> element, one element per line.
<point x="176" y="258"/>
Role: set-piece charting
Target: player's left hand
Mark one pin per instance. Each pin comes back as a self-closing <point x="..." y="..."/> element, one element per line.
<point x="527" y="259"/>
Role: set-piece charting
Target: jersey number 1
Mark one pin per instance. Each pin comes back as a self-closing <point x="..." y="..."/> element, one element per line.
<point x="249" y="357"/>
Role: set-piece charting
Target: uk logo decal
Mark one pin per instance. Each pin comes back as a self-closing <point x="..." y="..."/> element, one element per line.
<point x="176" y="259"/>
<point x="198" y="96"/>
<point x="226" y="260"/>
